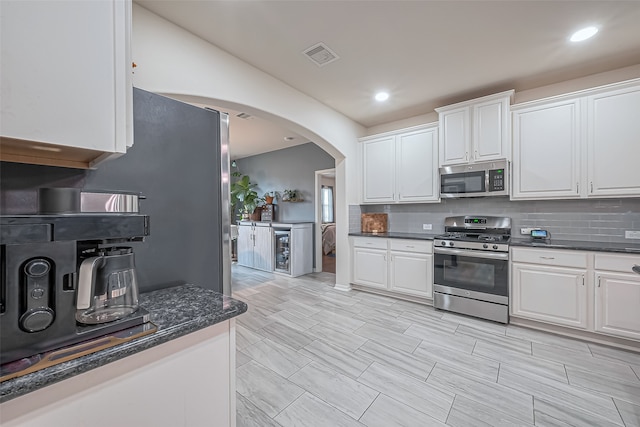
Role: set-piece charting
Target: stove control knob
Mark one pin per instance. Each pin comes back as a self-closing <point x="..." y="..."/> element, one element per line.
<point x="450" y="243"/>
<point x="495" y="246"/>
<point x="485" y="246"/>
<point x="444" y="243"/>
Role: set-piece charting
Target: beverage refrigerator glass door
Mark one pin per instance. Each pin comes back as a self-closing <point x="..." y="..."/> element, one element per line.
<point x="485" y="272"/>
<point x="282" y="250"/>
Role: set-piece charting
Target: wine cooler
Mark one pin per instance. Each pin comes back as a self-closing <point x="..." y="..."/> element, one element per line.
<point x="282" y="250"/>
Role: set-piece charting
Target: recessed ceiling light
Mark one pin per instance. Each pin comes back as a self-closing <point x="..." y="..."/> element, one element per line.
<point x="382" y="96"/>
<point x="583" y="34"/>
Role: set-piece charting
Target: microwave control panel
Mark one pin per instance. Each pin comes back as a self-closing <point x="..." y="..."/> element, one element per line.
<point x="496" y="180"/>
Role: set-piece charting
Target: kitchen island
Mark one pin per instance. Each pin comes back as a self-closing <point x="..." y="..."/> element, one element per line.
<point x="182" y="375"/>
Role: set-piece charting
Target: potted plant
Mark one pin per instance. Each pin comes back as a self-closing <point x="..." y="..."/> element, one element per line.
<point x="269" y="196"/>
<point x="244" y="197"/>
<point x="292" y="196"/>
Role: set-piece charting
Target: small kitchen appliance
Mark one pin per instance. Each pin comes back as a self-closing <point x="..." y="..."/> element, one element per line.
<point x="107" y="286"/>
<point x="475" y="180"/>
<point x="59" y="268"/>
<point x="471" y="267"/>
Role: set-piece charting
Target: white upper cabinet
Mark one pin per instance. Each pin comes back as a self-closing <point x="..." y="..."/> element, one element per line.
<point x="578" y="145"/>
<point x="476" y="130"/>
<point x="401" y="166"/>
<point x="546" y="151"/>
<point x="66" y="78"/>
<point x="613" y="142"/>
<point x="379" y="167"/>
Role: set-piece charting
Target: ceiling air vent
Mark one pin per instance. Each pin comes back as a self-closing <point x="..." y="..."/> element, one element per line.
<point x="320" y="54"/>
<point x="244" y="116"/>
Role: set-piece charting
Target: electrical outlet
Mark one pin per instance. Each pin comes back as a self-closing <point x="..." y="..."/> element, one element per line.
<point x="427" y="226"/>
<point x="631" y="234"/>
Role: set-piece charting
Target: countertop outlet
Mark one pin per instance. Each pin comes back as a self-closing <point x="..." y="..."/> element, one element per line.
<point x="630" y="234"/>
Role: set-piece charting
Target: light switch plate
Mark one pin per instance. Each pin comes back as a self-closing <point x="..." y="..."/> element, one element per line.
<point x="427" y="226"/>
<point x="631" y="234"/>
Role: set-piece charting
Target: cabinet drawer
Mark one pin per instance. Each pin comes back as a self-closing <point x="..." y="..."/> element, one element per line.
<point x="612" y="262"/>
<point x="562" y="258"/>
<point x="419" y="246"/>
<point x="370" y="242"/>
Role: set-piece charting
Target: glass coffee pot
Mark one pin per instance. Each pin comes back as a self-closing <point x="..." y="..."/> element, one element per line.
<point x="107" y="286"/>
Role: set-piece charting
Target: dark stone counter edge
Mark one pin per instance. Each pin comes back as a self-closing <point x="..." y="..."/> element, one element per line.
<point x="392" y="235"/>
<point x="31" y="382"/>
<point x="626" y="248"/>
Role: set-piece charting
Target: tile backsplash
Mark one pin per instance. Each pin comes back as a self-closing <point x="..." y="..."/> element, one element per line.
<point x="603" y="220"/>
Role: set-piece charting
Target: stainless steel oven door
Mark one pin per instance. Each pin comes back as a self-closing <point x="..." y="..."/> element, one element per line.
<point x="475" y="271"/>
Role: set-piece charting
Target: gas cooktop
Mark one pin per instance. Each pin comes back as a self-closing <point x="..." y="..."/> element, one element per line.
<point x="483" y="233"/>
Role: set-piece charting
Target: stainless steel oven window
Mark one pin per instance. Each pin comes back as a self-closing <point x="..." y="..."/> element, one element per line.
<point x="458" y="273"/>
<point x="472" y="273"/>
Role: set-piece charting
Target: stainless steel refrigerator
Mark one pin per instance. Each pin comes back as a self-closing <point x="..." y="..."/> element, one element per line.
<point x="179" y="161"/>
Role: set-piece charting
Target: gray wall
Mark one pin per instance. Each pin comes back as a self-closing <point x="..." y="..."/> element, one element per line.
<point x="289" y="168"/>
<point x="175" y="163"/>
<point x="603" y="220"/>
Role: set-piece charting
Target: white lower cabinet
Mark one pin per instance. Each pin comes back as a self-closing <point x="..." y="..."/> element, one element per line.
<point x="617" y="296"/>
<point x="255" y="246"/>
<point x="550" y="294"/>
<point x="396" y="265"/>
<point x="370" y="262"/>
<point x="593" y="291"/>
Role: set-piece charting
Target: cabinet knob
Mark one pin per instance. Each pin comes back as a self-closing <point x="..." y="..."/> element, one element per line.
<point x="636" y="269"/>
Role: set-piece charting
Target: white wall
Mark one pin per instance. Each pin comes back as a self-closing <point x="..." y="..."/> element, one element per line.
<point x="172" y="61"/>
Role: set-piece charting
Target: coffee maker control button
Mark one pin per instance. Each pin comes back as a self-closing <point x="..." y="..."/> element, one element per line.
<point x="37" y="267"/>
<point x="36" y="320"/>
<point x="37" y="293"/>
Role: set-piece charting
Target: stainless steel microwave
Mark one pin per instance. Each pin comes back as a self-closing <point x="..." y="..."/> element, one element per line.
<point x="475" y="180"/>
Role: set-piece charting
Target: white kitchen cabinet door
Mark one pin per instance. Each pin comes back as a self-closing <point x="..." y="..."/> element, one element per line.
<point x="546" y="151"/>
<point x="245" y="245"/>
<point x="617" y="304"/>
<point x="491" y="139"/>
<point x="613" y="131"/>
<point x="263" y="248"/>
<point x="370" y="267"/>
<point x="379" y="170"/>
<point x="549" y="294"/>
<point x="66" y="73"/>
<point x="411" y="273"/>
<point x="455" y="136"/>
<point x="417" y="166"/>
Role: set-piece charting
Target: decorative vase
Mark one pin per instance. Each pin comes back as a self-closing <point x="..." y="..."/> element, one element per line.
<point x="268" y="200"/>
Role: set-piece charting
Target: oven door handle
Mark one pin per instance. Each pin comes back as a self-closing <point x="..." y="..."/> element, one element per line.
<point x="473" y="254"/>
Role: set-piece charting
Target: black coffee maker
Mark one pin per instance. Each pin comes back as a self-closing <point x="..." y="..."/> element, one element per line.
<point x="40" y="258"/>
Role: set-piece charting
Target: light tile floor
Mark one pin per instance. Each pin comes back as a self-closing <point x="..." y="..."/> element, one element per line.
<point x="309" y="355"/>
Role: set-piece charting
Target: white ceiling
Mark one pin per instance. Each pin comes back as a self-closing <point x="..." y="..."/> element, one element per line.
<point x="425" y="53"/>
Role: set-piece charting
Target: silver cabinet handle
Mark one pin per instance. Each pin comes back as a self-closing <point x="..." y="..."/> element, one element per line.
<point x="476" y="155"/>
<point x="466" y="155"/>
<point x="547" y="257"/>
<point x="592" y="186"/>
<point x="409" y="246"/>
<point x="578" y="187"/>
<point x="583" y="280"/>
<point x="636" y="269"/>
<point x="599" y="278"/>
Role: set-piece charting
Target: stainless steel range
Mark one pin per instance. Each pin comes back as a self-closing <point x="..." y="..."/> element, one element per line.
<point x="471" y="267"/>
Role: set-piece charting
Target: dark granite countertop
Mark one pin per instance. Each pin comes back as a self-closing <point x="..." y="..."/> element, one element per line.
<point x="630" y="248"/>
<point x="176" y="311"/>
<point x="395" y="235"/>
